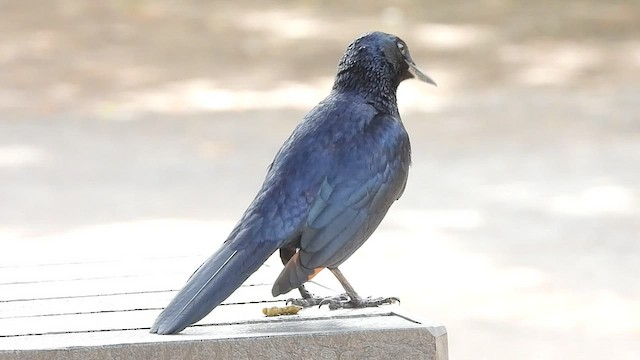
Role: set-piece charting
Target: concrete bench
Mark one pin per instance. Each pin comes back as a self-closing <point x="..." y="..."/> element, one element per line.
<point x="102" y="309"/>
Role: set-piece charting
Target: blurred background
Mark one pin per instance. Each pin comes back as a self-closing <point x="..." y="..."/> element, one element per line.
<point x="136" y="126"/>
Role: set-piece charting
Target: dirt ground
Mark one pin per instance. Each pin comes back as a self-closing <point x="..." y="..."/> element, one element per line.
<point x="520" y="226"/>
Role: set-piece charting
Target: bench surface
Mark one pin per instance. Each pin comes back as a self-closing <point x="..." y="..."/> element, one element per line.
<point x="61" y="304"/>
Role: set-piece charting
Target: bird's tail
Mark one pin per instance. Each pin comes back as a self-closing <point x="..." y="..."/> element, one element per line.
<point x="211" y="284"/>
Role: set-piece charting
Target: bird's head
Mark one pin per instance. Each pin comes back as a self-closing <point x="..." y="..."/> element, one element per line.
<point x="378" y="58"/>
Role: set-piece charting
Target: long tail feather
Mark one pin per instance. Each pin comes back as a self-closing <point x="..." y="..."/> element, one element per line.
<point x="211" y="284"/>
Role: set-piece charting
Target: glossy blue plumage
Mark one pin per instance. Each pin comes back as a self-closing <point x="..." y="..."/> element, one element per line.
<point x="326" y="191"/>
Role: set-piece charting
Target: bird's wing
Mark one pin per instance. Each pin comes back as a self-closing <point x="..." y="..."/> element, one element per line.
<point x="345" y="214"/>
<point x="348" y="207"/>
<point x="337" y="215"/>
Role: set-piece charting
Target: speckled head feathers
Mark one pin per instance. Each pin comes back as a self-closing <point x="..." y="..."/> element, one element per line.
<point x="377" y="60"/>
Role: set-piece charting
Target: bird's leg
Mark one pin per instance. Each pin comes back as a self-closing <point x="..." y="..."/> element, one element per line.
<point x="345" y="284"/>
<point x="306" y="294"/>
<point x="349" y="300"/>
<point x="308" y="299"/>
<point x="353" y="300"/>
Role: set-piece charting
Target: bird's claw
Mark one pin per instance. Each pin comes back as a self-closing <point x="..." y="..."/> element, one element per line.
<point x="335" y="302"/>
<point x="332" y="301"/>
<point x="364" y="303"/>
<point x="369" y="302"/>
<point x="305" y="302"/>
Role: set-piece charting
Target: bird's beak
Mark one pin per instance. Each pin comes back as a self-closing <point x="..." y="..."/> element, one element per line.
<point x="413" y="70"/>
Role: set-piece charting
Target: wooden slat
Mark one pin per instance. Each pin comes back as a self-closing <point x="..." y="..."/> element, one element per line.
<point x="131" y="301"/>
<point x="102" y="281"/>
<point x="353" y="321"/>
<point x="140" y="319"/>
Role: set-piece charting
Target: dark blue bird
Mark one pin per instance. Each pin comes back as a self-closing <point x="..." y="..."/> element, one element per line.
<point x="326" y="191"/>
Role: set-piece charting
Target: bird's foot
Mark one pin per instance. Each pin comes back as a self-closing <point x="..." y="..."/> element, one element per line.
<point x="312" y="300"/>
<point x="339" y="302"/>
<point x="343" y="301"/>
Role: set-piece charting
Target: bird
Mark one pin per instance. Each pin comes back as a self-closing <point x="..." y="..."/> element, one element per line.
<point x="327" y="190"/>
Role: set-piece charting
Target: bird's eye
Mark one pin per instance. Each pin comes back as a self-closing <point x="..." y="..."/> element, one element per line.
<point x="402" y="48"/>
